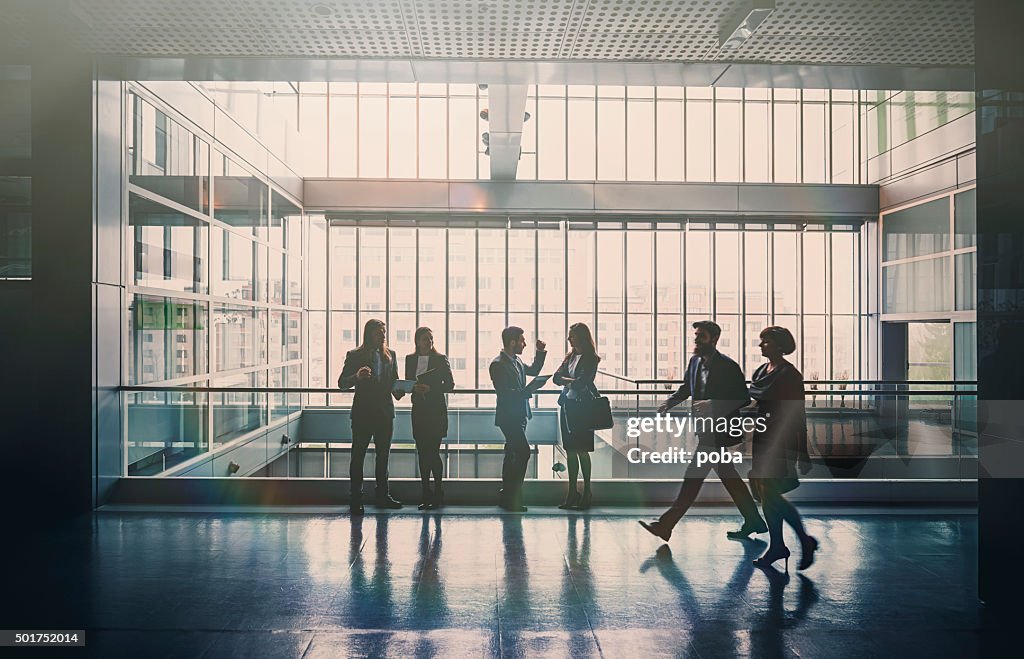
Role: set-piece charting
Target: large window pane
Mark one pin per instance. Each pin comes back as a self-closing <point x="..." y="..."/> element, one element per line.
<point x="845" y="273"/>
<point x="966" y="281"/>
<point x="522" y="274"/>
<point x="815" y="345"/>
<point x="639" y="346"/>
<point x="916" y="231"/>
<point x="343" y="268"/>
<point x="491" y="270"/>
<point x="551" y="139"/>
<point x="755" y="264"/>
<point x="165" y="158"/>
<point x="240" y="340"/>
<point x="756" y="137"/>
<point x="752" y="358"/>
<point x="316" y="263"/>
<point x="462" y="138"/>
<point x="581" y="270"/>
<point x="844" y="349"/>
<point x="670" y="140"/>
<point x="669" y="245"/>
<point x="917" y="286"/>
<point x="786" y="292"/>
<point x="611" y="148"/>
<point x="431" y="262"/>
<point x="814" y="272"/>
<point x="611" y="343"/>
<point x="727" y="271"/>
<point x="786" y="139"/>
<point x="966" y="218"/>
<point x="373" y="145"/>
<point x="402" y="269"/>
<point x="239" y="198"/>
<point x="433" y="137"/>
<point x="844" y="151"/>
<point x="402" y="138"/>
<point x="167" y="339"/>
<point x="610" y="273"/>
<point x="639" y="266"/>
<point x="372" y="268"/>
<point x="698" y="272"/>
<point x="814" y="151"/>
<point x="233" y="268"/>
<point x="671" y="356"/>
<point x="551" y="268"/>
<point x="344" y="136"/>
<point x="640" y="142"/>
<point x="728" y="141"/>
<point x="462" y="269"/>
<point x="462" y="338"/>
<point x="582" y="148"/>
<point x="699" y="141"/>
<point x="169" y="247"/>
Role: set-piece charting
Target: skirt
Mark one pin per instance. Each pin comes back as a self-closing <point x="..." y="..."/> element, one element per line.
<point x="578" y="441"/>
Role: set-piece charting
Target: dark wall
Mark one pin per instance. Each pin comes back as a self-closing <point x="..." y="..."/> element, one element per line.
<point x="999" y="80"/>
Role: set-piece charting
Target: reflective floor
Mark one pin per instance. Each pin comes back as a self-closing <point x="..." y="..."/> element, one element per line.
<point x="474" y="583"/>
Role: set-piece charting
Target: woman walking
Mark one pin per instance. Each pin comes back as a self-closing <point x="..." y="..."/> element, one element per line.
<point x="576" y="375"/>
<point x="778" y="389"/>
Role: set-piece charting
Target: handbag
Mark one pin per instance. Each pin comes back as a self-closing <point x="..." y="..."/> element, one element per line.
<point x="592" y="414"/>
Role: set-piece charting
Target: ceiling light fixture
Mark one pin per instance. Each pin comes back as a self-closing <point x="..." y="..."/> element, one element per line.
<point x="736" y="32"/>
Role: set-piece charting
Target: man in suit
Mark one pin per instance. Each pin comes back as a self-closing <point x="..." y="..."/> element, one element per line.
<point x="508" y="374"/>
<point x="719" y="390"/>
<point x="372" y="369"/>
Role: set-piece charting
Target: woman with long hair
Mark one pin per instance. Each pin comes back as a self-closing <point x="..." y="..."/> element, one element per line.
<point x="576" y="376"/>
<point x="433" y="375"/>
<point x="372" y="370"/>
<point x="777" y="387"/>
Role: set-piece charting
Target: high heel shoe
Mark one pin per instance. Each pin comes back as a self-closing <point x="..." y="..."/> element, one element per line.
<point x="808" y="547"/>
<point x="771" y="556"/>
<point x="584" y="501"/>
<point x="570" y="499"/>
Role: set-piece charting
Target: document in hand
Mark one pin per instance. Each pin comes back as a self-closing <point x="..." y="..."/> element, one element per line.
<point x="432" y="377"/>
<point x="538" y="382"/>
<point x="403" y="386"/>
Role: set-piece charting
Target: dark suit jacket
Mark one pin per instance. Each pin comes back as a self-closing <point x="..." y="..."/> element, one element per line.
<point x="509" y="379"/>
<point x="430" y="410"/>
<point x="583" y="381"/>
<point x="373" y="396"/>
<point x="726" y="389"/>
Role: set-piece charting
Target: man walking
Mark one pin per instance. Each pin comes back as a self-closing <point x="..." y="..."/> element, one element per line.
<point x="718" y="389"/>
<point x="508" y="374"/>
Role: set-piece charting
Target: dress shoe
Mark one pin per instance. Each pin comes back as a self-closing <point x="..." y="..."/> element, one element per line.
<point x="658" y="529"/>
<point x="584" y="501"/>
<point x="387" y="501"/>
<point x="426" y="505"/>
<point x="771" y="556"/>
<point x="748" y="527"/>
<point x="809" y="546"/>
<point x="570" y="500"/>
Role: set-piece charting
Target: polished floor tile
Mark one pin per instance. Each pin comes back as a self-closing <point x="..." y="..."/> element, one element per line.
<point x="473" y="583"/>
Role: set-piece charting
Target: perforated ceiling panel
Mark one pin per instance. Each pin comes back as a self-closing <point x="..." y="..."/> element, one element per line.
<point x="893" y="32"/>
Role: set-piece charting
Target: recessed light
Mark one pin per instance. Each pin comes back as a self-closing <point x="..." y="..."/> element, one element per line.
<point x="322" y="10"/>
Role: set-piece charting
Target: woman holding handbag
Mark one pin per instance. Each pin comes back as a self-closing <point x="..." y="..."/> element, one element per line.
<point x="576" y="376"/>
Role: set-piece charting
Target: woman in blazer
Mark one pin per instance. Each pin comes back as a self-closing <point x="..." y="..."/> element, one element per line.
<point x="778" y="389"/>
<point x="576" y="376"/>
<point x="429" y="411"/>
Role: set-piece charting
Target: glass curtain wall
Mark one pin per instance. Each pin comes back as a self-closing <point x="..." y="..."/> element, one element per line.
<point x="215" y="291"/>
<point x="639" y="284"/>
<point x="439" y="131"/>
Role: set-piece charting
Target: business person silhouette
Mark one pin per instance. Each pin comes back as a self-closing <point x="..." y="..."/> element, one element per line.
<point x="372" y="370"/>
<point x="718" y="389"/>
<point x="778" y="389"/>
<point x="576" y="377"/>
<point x="429" y="411"/>
<point x="512" y="411"/>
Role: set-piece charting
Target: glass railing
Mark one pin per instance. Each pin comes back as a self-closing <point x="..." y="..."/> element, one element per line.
<point x="856" y="428"/>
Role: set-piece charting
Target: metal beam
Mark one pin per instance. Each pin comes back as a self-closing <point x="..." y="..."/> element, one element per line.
<point x="506" y="107"/>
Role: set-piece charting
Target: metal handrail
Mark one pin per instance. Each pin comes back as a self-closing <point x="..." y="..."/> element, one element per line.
<point x="615" y="392"/>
